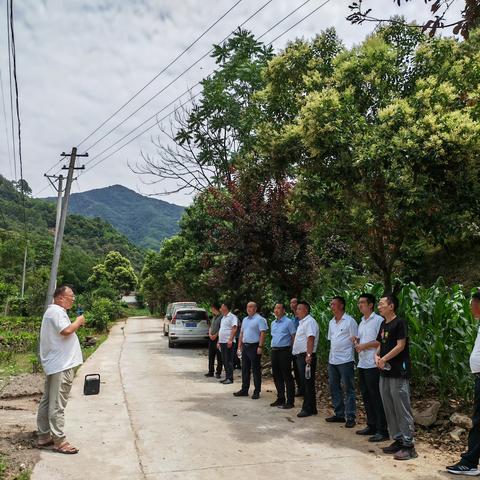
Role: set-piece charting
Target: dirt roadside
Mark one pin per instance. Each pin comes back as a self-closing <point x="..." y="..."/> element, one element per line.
<point x="19" y="398"/>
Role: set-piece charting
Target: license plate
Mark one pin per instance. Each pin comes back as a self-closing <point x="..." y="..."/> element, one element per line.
<point x="190" y="325"/>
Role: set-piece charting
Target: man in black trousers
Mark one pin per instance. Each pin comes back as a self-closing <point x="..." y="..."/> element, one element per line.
<point x="250" y="348"/>
<point x="213" y="351"/>
<point x="305" y="348"/>
<point x="283" y="335"/>
<point x="296" y="373"/>
<point x="468" y="465"/>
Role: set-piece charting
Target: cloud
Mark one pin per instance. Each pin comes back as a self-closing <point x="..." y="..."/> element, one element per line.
<point x="78" y="61"/>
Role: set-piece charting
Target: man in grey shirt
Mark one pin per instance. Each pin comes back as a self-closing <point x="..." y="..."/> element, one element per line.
<point x="213" y="351"/>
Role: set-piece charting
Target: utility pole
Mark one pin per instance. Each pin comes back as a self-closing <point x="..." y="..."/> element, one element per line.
<point x="61" y="225"/>
<point x="59" y="190"/>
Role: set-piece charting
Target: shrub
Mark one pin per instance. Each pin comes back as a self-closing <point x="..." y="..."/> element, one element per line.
<point x="102" y="312"/>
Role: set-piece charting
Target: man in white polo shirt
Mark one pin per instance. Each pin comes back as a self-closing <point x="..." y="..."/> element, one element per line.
<point x="304" y="349"/>
<point x="226" y="334"/>
<point x="341" y="361"/>
<point x="368" y="374"/>
<point x="60" y="353"/>
<point x="468" y="465"/>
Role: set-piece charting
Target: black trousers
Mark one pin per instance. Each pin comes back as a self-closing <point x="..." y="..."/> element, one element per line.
<point x="296" y="374"/>
<point x="369" y="379"/>
<point x="214" y="352"/>
<point x="227" y="359"/>
<point x="251" y="364"/>
<point x="236" y="360"/>
<point x="309" y="397"/>
<point x="472" y="455"/>
<point x="282" y="373"/>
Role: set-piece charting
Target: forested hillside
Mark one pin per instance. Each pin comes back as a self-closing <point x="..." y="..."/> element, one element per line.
<point x="87" y="241"/>
<point x="145" y="221"/>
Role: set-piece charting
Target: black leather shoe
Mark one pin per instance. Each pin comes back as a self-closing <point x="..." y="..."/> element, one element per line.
<point x="335" y="419"/>
<point x="378" y="437"/>
<point x="350" y="423"/>
<point x="218" y="375"/>
<point x="286" y="406"/>
<point x="209" y="374"/>
<point x="255" y="396"/>
<point x="277" y="403"/>
<point x="303" y="414"/>
<point x="395" y="447"/>
<point x="366" y="431"/>
<point x="240" y="393"/>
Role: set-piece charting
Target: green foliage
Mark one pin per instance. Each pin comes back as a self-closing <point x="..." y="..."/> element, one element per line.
<point x="102" y="312"/>
<point x="441" y="328"/>
<point x="86" y="242"/>
<point x="115" y="272"/>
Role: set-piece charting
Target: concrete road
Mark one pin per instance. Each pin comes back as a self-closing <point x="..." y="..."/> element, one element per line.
<point x="158" y="417"/>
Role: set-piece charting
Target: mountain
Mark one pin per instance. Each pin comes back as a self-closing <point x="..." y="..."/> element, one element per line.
<point x="145" y="221"/>
<point x="86" y="242"/>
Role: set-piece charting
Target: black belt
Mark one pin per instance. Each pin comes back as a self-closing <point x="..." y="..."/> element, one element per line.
<point x="476" y="375"/>
<point x="274" y="349"/>
<point x="245" y="343"/>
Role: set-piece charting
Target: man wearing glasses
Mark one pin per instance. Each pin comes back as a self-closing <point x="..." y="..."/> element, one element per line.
<point x="60" y="353"/>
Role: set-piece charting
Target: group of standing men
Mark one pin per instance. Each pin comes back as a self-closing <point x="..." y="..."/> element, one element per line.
<point x="383" y="363"/>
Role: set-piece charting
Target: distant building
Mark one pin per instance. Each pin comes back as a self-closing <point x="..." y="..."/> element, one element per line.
<point x="131" y="300"/>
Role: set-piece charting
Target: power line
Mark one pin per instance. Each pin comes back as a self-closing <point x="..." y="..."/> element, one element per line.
<point x="180" y="106"/>
<point x="171" y="82"/>
<point x="7" y="138"/>
<point x="10" y="88"/>
<point x="256" y="12"/>
<point x="161" y="72"/>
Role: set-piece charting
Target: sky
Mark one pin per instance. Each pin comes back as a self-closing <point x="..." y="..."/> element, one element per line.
<point x="78" y="61"/>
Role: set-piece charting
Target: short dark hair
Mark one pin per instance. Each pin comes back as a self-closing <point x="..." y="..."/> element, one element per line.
<point x="279" y="303"/>
<point x="227" y="304"/>
<point x="215" y="305"/>
<point x="370" y="298"/>
<point x="307" y="305"/>
<point x="391" y="299"/>
<point x="476" y="296"/>
<point x="341" y="300"/>
<point x="59" y="291"/>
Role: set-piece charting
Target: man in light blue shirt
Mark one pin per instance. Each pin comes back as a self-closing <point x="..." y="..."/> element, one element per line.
<point x="250" y="347"/>
<point x="283" y="335"/>
<point x="341" y="361"/>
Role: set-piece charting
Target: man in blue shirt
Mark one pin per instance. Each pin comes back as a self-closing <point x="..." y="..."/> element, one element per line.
<point x="250" y="346"/>
<point x="283" y="335"/>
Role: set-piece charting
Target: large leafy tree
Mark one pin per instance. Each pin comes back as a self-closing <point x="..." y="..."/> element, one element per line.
<point x="115" y="272"/>
<point x="209" y="135"/>
<point x="392" y="139"/>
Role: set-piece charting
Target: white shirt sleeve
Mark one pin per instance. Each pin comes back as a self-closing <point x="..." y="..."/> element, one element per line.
<point x="353" y="328"/>
<point x="329" y="335"/>
<point x="310" y="330"/>
<point x="61" y="321"/>
<point x="234" y="321"/>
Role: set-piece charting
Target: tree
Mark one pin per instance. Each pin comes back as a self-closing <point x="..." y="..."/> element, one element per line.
<point x="209" y="135"/>
<point x="470" y="16"/>
<point x="116" y="271"/>
<point x="392" y="140"/>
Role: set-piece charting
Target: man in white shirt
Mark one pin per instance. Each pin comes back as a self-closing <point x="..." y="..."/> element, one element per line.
<point x="468" y="465"/>
<point x="60" y="353"/>
<point x="226" y="334"/>
<point x="366" y="345"/>
<point x="341" y="361"/>
<point x="304" y="349"/>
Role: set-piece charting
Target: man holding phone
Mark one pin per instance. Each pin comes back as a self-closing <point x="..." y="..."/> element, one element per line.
<point x="60" y="353"/>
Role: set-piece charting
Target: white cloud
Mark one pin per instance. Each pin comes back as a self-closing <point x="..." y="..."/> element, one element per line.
<point x="79" y="60"/>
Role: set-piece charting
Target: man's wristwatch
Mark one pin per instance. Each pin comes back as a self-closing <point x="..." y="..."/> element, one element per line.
<point x="309" y="354"/>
